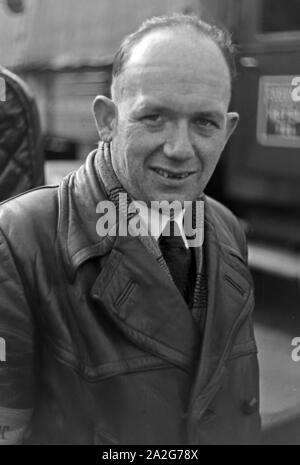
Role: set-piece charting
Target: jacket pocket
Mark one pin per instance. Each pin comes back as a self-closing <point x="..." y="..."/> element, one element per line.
<point x="124" y="295"/>
<point x="244" y="342"/>
<point x="237" y="263"/>
<point x="234" y="285"/>
<point x="246" y="348"/>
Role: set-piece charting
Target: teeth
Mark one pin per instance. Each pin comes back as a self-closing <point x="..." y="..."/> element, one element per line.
<point x="172" y="176"/>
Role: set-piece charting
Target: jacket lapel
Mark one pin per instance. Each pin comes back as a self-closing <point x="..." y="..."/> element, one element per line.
<point x="145" y="304"/>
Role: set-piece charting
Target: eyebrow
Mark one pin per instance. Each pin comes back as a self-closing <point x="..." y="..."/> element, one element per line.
<point x="150" y="105"/>
<point x="154" y="106"/>
<point x="210" y="114"/>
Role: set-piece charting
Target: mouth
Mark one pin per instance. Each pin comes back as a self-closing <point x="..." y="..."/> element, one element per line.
<point x="167" y="174"/>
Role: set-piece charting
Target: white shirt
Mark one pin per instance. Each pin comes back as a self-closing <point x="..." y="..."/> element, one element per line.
<point x="155" y="221"/>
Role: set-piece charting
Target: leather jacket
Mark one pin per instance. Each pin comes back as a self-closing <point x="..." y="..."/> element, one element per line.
<point x="101" y="348"/>
<point x="21" y="151"/>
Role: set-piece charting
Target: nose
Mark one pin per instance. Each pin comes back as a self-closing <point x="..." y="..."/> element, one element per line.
<point x="178" y="144"/>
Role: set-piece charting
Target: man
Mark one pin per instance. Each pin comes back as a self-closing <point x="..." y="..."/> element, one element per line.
<point x="116" y="338"/>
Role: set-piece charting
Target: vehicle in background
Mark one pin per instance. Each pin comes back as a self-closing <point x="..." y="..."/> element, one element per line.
<point x="261" y="176"/>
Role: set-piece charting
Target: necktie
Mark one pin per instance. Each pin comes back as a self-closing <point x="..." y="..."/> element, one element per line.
<point x="178" y="258"/>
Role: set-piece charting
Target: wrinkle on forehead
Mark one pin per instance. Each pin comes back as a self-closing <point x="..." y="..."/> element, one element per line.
<point x="155" y="89"/>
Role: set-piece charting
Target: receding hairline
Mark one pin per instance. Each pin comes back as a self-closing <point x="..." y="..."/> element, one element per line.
<point x="115" y="87"/>
<point x="218" y="35"/>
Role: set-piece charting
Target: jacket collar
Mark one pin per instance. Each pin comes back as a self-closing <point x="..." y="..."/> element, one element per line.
<point x="79" y="195"/>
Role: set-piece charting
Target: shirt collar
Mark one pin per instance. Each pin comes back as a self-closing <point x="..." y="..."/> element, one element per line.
<point x="155" y="222"/>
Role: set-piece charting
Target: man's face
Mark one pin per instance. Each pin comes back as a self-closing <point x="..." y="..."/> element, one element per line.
<point x="171" y="121"/>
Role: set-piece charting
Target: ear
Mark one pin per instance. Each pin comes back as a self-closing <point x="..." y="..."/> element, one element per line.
<point x="105" y="113"/>
<point x="232" y="120"/>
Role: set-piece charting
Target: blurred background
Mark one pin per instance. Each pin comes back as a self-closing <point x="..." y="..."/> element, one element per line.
<point x="63" y="49"/>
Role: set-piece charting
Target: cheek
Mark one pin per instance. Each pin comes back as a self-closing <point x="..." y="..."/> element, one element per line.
<point x="138" y="134"/>
<point x="123" y="144"/>
<point x="128" y="137"/>
<point x="211" y="149"/>
<point x="139" y="145"/>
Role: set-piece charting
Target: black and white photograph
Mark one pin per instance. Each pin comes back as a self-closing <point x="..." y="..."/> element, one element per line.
<point x="150" y="225"/>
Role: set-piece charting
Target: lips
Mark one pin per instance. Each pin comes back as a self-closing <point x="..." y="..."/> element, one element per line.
<point x="167" y="174"/>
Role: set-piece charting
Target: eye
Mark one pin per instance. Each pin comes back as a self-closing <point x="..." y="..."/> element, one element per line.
<point x="206" y="123"/>
<point x="152" y="118"/>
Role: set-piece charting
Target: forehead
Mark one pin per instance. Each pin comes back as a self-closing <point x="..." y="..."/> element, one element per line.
<point x="180" y="63"/>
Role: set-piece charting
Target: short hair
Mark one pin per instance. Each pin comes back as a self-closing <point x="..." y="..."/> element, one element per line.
<point x="219" y="35"/>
